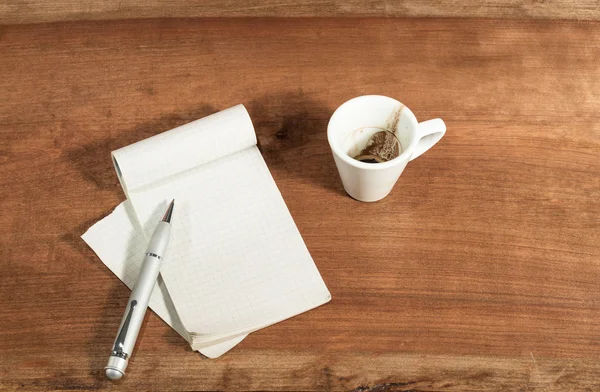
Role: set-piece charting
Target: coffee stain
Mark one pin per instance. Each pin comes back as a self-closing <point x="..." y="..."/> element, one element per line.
<point x="394" y="119"/>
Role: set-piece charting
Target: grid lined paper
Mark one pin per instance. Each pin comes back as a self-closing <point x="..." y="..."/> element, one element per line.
<point x="117" y="241"/>
<point x="236" y="261"/>
<point x="173" y="152"/>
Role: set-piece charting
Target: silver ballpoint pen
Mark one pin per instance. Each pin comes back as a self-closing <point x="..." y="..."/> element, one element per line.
<point x="138" y="300"/>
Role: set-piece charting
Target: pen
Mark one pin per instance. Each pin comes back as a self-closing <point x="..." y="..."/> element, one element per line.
<point x="138" y="300"/>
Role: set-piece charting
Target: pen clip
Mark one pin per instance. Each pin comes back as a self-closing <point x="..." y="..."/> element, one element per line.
<point x="120" y="341"/>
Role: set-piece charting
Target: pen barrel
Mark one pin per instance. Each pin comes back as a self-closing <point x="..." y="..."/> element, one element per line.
<point x="160" y="239"/>
<point x="139" y="298"/>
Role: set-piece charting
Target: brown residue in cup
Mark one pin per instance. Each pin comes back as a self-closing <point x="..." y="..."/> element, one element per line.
<point x="382" y="147"/>
<point x="394" y="119"/>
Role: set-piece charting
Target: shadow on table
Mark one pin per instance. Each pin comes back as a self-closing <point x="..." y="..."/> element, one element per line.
<point x="292" y="135"/>
<point x="107" y="321"/>
<point x="94" y="162"/>
<point x="291" y="130"/>
<point x="105" y="329"/>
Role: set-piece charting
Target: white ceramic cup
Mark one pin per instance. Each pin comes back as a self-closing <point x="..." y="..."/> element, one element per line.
<point x="351" y="126"/>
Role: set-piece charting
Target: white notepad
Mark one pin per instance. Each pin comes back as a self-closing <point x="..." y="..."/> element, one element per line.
<point x="236" y="262"/>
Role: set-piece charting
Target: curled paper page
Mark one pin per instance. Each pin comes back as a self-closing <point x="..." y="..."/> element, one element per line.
<point x="170" y="153"/>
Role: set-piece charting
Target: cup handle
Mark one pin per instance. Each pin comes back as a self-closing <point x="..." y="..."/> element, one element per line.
<point x="429" y="132"/>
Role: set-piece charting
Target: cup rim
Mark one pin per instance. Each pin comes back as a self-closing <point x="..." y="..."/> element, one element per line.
<point x="404" y="156"/>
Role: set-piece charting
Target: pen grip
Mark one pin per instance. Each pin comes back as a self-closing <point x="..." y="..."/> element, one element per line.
<point x="138" y="302"/>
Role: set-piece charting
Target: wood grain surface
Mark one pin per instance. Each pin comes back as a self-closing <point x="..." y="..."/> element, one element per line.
<point x="36" y="11"/>
<point x="480" y="271"/>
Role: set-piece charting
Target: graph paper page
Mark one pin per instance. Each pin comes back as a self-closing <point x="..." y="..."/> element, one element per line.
<point x="238" y="260"/>
<point x="121" y="246"/>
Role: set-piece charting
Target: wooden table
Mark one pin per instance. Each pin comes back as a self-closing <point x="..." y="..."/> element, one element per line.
<point x="480" y="272"/>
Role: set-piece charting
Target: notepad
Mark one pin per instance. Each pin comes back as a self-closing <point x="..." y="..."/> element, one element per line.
<point x="236" y="261"/>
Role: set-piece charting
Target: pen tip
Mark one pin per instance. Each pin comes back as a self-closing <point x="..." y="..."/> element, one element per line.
<point x="169" y="213"/>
